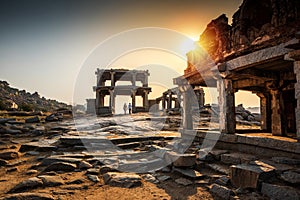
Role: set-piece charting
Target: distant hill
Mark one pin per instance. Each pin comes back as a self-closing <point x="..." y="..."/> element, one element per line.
<point x="15" y="99"/>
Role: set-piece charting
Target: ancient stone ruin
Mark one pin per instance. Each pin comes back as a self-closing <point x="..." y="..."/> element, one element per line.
<point x="117" y="75"/>
<point x="259" y="52"/>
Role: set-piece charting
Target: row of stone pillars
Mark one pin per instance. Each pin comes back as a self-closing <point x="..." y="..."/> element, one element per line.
<point x="168" y="98"/>
<point x="112" y="101"/>
<point x="132" y="90"/>
<point x="271" y="102"/>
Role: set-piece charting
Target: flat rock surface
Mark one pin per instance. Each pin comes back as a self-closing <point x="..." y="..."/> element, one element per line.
<point x="27" y="184"/>
<point x="60" y="166"/>
<point x="126" y="180"/>
<point x="29" y="196"/>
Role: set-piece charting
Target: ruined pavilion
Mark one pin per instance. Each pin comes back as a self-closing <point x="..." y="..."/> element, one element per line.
<point x="260" y="53"/>
<point x="133" y="90"/>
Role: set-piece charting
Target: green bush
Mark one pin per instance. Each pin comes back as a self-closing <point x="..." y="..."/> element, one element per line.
<point x="26" y="107"/>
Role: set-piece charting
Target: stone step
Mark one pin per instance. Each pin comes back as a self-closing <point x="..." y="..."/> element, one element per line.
<point x="189" y="173"/>
<point x="79" y="140"/>
<point x="236" y="158"/>
<point x="37" y="146"/>
<point x="223" y="169"/>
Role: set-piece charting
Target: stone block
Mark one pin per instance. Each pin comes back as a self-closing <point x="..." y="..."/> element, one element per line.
<point x="248" y="176"/>
<point x="180" y="160"/>
<point x="221" y="191"/>
<point x="219" y="168"/>
<point x="291" y="177"/>
<point x="189" y="173"/>
<point x="276" y="192"/>
<point x="217" y="153"/>
<point x="236" y="158"/>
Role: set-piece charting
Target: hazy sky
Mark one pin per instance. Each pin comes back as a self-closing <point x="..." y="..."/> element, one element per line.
<point x="43" y="43"/>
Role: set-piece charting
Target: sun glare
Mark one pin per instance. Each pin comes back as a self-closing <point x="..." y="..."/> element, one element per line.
<point x="187" y="45"/>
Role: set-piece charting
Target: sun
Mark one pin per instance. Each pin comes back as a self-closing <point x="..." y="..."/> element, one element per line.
<point x="187" y="45"/>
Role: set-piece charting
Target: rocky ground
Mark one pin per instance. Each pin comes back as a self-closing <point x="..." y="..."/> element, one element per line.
<point x="130" y="157"/>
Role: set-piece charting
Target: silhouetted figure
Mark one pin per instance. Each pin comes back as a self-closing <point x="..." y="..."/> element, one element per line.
<point x="125" y="108"/>
<point x="129" y="108"/>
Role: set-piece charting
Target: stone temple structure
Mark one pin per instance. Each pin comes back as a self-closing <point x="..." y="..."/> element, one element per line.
<point x="116" y="76"/>
<point x="259" y="52"/>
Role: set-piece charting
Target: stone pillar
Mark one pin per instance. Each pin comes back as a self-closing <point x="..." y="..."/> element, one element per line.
<point x="145" y="83"/>
<point x="187" y="115"/>
<point x="112" y="78"/>
<point x="163" y="100"/>
<point x="112" y="101"/>
<point x="265" y="111"/>
<point x="297" y="96"/>
<point x="276" y="117"/>
<point x="178" y="101"/>
<point x="133" y="101"/>
<point x="295" y="56"/>
<point x="101" y="100"/>
<point x="97" y="102"/>
<point x="133" y="78"/>
<point x="146" y="101"/>
<point x="169" y="100"/>
<point x="227" y="107"/>
<point x="200" y="96"/>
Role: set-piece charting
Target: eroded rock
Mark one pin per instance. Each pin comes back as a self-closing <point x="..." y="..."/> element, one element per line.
<point x="61" y="166"/>
<point x="126" y="180"/>
<point x="30" y="183"/>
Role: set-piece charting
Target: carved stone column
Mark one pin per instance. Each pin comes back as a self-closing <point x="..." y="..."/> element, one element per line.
<point x="297" y="96"/>
<point x="265" y="110"/>
<point x="145" y="83"/>
<point x="227" y="106"/>
<point x="112" y="101"/>
<point x="295" y="56"/>
<point x="133" y="101"/>
<point x="169" y="100"/>
<point x="163" y="102"/>
<point x="133" y="78"/>
<point x="276" y="112"/>
<point x="187" y="107"/>
<point x="146" y="101"/>
<point x="112" y="78"/>
<point x="178" y="100"/>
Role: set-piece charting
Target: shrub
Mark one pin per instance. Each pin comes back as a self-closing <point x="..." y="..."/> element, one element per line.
<point x="26" y="107"/>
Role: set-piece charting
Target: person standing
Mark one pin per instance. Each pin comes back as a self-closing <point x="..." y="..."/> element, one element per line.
<point x="125" y="108"/>
<point x="130" y="108"/>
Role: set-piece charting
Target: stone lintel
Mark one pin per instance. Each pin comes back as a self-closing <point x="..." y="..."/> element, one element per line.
<point x="260" y="56"/>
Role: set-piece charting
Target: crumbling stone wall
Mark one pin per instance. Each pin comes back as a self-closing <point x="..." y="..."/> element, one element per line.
<point x="257" y="24"/>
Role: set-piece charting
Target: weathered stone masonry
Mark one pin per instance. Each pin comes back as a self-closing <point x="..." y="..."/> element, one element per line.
<point x="115" y="75"/>
<point x="257" y="53"/>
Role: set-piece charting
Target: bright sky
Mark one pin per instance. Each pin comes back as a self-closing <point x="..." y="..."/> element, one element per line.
<point x="45" y="44"/>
